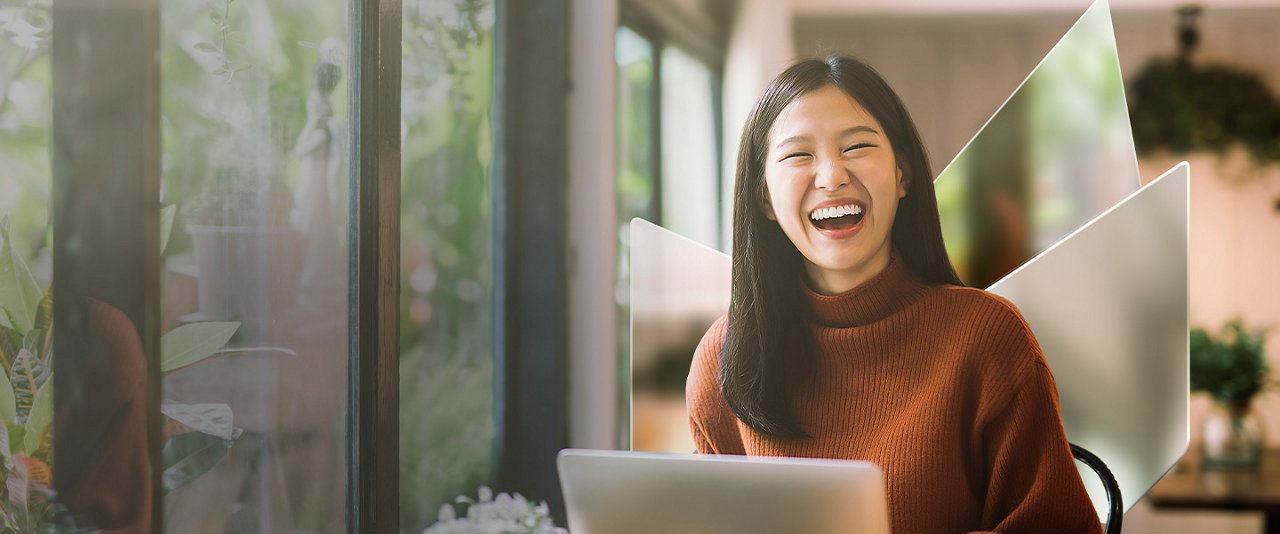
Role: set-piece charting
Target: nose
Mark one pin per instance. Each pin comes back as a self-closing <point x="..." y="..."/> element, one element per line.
<point x="831" y="175"/>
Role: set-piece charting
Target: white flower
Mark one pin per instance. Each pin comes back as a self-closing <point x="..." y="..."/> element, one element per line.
<point x="505" y="514"/>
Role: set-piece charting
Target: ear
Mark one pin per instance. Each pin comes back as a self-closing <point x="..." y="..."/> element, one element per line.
<point x="903" y="184"/>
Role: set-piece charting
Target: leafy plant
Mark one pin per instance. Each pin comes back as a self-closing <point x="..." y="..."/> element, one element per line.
<point x="1181" y="107"/>
<point x="197" y="436"/>
<point x="243" y="185"/>
<point x="1231" y="366"/>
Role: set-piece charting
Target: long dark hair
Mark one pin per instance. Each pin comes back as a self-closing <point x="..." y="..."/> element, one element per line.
<point x="769" y="351"/>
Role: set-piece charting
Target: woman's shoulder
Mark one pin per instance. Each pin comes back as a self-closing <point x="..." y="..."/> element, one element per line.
<point x="994" y="322"/>
<point x="707" y="355"/>
<point x="982" y="307"/>
<point x="702" y="387"/>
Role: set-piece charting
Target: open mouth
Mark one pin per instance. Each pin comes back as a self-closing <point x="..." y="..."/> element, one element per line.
<point x="837" y="217"/>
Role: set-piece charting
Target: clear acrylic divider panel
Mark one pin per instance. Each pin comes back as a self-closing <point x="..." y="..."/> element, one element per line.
<point x="679" y="287"/>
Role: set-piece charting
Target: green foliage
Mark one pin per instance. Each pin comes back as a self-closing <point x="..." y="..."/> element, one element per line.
<point x="191" y="343"/>
<point x="27" y="404"/>
<point x="19" y="292"/>
<point x="167" y="214"/>
<point x="38" y="425"/>
<point x="26" y="376"/>
<point x="189" y="455"/>
<point x="8" y="403"/>
<point x="1181" y="107"/>
<point x="1232" y="365"/>
<point x="446" y="377"/>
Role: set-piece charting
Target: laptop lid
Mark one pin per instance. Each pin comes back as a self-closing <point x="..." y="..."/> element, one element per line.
<point x="623" y="492"/>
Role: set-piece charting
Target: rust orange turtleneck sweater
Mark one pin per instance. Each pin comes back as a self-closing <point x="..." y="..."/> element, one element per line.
<point x="944" y="387"/>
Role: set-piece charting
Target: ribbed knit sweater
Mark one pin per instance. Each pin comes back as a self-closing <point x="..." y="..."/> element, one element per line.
<point x="944" y="387"/>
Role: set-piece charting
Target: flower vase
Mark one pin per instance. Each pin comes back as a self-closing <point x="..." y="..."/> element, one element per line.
<point x="1233" y="437"/>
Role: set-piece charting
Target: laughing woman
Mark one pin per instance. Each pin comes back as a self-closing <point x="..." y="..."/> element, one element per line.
<point x="850" y="336"/>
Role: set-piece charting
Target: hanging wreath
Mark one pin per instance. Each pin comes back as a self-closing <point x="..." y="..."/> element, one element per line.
<point x="1182" y="107"/>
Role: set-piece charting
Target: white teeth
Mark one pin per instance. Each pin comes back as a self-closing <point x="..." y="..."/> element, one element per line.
<point x="835" y="211"/>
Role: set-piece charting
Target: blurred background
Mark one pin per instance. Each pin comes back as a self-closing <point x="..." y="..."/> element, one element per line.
<point x="254" y="169"/>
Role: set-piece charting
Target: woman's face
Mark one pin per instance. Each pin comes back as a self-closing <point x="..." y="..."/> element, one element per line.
<point x="834" y="187"/>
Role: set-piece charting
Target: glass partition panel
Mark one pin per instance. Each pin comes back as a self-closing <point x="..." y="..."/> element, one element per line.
<point x="1057" y="154"/>
<point x="254" y="163"/>
<point x="678" y="288"/>
<point x="637" y="177"/>
<point x="1109" y="306"/>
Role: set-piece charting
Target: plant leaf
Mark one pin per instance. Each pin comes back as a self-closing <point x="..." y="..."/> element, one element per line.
<point x="10" y="342"/>
<point x="189" y="455"/>
<point x="39" y="419"/>
<point x="16" y="436"/>
<point x="4" y="447"/>
<point x="26" y="377"/>
<point x="8" y="404"/>
<point x="246" y="350"/>
<point x="166" y="225"/>
<point x="17" y="485"/>
<point x="212" y="419"/>
<point x="19" y="292"/>
<point x="190" y="343"/>
<point x="44" y="317"/>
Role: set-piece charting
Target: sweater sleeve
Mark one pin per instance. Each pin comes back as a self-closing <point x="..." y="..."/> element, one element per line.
<point x="1033" y="484"/>
<point x="711" y="422"/>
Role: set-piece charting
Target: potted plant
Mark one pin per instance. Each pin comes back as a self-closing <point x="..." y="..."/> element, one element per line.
<point x="244" y="249"/>
<point x="1230" y="366"/>
<point x="196" y="436"/>
<point x="244" y="253"/>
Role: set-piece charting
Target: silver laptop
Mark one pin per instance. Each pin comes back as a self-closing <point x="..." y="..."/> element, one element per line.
<point x="622" y="492"/>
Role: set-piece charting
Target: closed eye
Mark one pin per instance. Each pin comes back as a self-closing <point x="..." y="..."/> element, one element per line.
<point x="859" y="145"/>
<point x="794" y="155"/>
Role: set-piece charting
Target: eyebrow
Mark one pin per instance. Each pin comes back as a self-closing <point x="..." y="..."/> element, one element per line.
<point x="846" y="132"/>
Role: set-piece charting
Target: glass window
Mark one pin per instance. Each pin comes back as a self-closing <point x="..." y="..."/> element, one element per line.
<point x="253" y="255"/>
<point x="668" y="174"/>
<point x="690" y="182"/>
<point x="25" y="266"/>
<point x="447" y="425"/>
<point x="254" y="167"/>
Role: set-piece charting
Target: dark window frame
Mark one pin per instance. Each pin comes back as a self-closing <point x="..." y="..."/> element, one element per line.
<point x="530" y="218"/>
<point x="373" y="411"/>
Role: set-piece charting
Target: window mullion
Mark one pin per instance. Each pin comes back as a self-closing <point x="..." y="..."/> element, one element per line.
<point x="373" y="413"/>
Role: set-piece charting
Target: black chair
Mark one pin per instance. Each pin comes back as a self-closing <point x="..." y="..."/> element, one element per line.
<point x="1115" y="505"/>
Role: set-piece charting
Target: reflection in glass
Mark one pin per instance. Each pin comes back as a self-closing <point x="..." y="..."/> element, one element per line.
<point x="26" y="253"/>
<point x="678" y="288"/>
<point x="1109" y="308"/>
<point x="255" y="276"/>
<point x="447" y="427"/>
<point x="1057" y="154"/>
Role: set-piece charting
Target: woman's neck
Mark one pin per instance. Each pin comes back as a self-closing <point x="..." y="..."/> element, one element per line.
<point x="834" y="282"/>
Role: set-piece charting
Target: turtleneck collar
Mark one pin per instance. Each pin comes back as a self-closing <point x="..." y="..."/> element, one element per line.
<point x="877" y="298"/>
